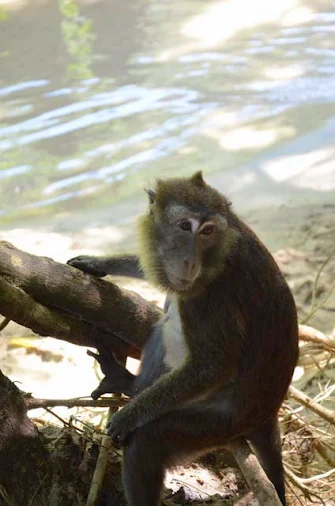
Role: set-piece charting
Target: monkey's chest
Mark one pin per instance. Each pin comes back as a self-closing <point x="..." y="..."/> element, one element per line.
<point x="175" y="346"/>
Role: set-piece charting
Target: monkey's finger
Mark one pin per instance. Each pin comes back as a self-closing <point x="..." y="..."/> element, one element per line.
<point x="116" y="438"/>
<point x="97" y="393"/>
<point x="106" y="386"/>
<point x="105" y="351"/>
<point x="104" y="363"/>
<point x="100" y="359"/>
<point x="92" y="354"/>
<point x="87" y="264"/>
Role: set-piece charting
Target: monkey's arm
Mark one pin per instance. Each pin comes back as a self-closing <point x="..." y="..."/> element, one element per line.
<point x="122" y="265"/>
<point x="170" y="390"/>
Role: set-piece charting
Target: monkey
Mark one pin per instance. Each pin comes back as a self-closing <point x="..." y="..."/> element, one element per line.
<point x="218" y="364"/>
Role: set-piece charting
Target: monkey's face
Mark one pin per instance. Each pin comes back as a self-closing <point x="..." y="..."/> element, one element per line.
<point x="184" y="236"/>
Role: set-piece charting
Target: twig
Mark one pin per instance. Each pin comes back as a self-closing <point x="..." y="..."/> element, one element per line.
<point x="322" y="451"/>
<point x="64" y="422"/>
<point x="314" y="308"/>
<point x="32" y="403"/>
<point x="31" y="502"/>
<point x="289" y="485"/>
<point x="323" y="265"/>
<point x="317" y="477"/>
<point x="306" y="401"/>
<point x="100" y="468"/>
<point x="5" y="496"/>
<point x="102" y="460"/>
<point x="297" y="482"/>
<point x="4" y="323"/>
<point x="317" y="443"/>
<point x="311" y="335"/>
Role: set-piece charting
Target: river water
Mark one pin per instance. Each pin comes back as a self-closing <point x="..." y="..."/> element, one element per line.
<point x="99" y="97"/>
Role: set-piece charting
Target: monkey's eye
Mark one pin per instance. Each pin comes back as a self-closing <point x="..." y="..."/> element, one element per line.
<point x="208" y="230"/>
<point x="185" y="225"/>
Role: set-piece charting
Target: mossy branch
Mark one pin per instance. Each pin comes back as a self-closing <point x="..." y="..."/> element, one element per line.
<point x="59" y="301"/>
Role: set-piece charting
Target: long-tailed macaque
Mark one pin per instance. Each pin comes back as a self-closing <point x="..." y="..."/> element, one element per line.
<point x="219" y="363"/>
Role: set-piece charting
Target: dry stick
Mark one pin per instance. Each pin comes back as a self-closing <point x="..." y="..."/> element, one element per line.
<point x="32" y="403"/>
<point x="299" y="483"/>
<point x="254" y="474"/>
<point x="317" y="477"/>
<point x="323" y="265"/>
<point x="5" y="496"/>
<point x="296" y="481"/>
<point x="102" y="460"/>
<point x="311" y="335"/>
<point x="322" y="451"/>
<point x="314" y="308"/>
<point x="317" y="444"/>
<point x="4" y="323"/>
<point x="326" y="414"/>
<point x="100" y="468"/>
<point x="320" y="305"/>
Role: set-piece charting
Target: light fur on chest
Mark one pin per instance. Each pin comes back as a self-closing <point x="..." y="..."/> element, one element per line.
<point x="175" y="345"/>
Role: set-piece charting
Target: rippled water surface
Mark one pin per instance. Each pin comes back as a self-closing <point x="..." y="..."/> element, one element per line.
<point x="97" y="98"/>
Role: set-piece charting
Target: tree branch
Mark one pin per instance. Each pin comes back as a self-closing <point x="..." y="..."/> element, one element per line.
<point x="60" y="301"/>
<point x="254" y="474"/>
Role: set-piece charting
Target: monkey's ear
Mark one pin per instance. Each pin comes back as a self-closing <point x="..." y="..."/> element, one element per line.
<point x="198" y="179"/>
<point x="152" y="195"/>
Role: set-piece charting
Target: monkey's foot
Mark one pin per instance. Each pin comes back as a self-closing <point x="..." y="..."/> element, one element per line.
<point x="117" y="380"/>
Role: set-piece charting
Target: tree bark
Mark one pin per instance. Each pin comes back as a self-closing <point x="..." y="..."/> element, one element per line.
<point x="24" y="461"/>
<point x="57" y="300"/>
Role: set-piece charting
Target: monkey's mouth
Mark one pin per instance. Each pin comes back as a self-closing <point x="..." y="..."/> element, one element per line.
<point x="180" y="284"/>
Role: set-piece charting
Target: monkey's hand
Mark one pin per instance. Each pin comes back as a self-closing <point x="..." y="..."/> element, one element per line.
<point x="89" y="264"/>
<point x="122" y="424"/>
<point x="120" y="265"/>
<point x="170" y="390"/>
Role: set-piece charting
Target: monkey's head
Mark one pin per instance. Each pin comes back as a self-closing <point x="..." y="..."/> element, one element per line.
<point x="186" y="235"/>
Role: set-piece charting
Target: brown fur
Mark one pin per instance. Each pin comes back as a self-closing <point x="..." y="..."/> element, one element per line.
<point x="239" y="326"/>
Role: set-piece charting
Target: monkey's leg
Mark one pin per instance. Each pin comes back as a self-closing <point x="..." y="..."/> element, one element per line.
<point x="117" y="380"/>
<point x="266" y="444"/>
<point x="176" y="437"/>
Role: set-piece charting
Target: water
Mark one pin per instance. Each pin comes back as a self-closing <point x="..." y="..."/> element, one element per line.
<point x="99" y="97"/>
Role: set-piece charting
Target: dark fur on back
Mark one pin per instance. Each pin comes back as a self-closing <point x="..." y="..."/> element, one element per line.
<point x="219" y="363"/>
<point x="248" y="311"/>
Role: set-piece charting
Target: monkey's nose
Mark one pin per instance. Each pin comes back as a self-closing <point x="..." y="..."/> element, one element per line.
<point x="190" y="269"/>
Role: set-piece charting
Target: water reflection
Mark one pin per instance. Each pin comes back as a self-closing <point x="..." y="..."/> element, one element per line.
<point x="107" y="95"/>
